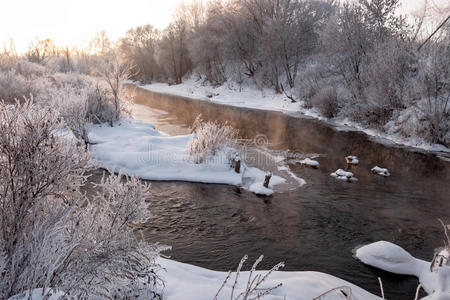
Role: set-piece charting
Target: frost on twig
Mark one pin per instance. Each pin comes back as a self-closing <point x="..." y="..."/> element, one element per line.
<point x="344" y="291"/>
<point x="254" y="287"/>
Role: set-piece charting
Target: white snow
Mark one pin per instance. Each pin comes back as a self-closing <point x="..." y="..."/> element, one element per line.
<point x="228" y="94"/>
<point x="351" y="159"/>
<point x="392" y="258"/>
<point x="380" y="171"/>
<point x="267" y="99"/>
<point x="259" y="189"/>
<point x="310" y="162"/>
<point x="343" y="175"/>
<point x="38" y="294"/>
<point x="137" y="148"/>
<point x="188" y="282"/>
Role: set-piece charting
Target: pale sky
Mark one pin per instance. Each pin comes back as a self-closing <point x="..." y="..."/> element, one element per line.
<point x="69" y="22"/>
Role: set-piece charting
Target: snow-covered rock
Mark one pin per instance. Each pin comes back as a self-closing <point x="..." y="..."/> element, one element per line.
<point x="433" y="276"/>
<point x="352" y="160"/>
<point x="310" y="162"/>
<point x="259" y="189"/>
<point x="380" y="171"/>
<point x="343" y="175"/>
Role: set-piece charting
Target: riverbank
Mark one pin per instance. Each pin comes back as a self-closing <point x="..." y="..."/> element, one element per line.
<point x="184" y="281"/>
<point x="267" y="99"/>
<point x="188" y="282"/>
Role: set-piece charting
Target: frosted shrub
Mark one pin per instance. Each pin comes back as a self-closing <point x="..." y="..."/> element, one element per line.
<point x="23" y="67"/>
<point x="110" y="261"/>
<point x="326" y="101"/>
<point x="114" y="72"/>
<point x="81" y="97"/>
<point x="101" y="104"/>
<point x="51" y="235"/>
<point x="209" y="138"/>
<point x="72" y="105"/>
<point x="38" y="173"/>
<point x="14" y="86"/>
<point x="73" y="80"/>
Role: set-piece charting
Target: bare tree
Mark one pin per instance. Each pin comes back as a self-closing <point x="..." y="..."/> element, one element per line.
<point x="114" y="71"/>
<point x="41" y="50"/>
<point x="174" y="51"/>
<point x="139" y="47"/>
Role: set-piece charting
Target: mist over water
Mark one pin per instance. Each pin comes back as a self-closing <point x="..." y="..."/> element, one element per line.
<point x="314" y="227"/>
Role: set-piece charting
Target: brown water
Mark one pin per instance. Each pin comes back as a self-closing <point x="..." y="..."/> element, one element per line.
<point x="315" y="227"/>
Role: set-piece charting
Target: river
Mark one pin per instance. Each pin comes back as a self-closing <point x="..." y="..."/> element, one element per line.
<point x="313" y="227"/>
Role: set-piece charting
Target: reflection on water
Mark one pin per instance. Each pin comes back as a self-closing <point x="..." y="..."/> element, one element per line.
<point x="314" y="227"/>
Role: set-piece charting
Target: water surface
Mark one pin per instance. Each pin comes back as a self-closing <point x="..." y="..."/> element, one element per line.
<point x="315" y="227"/>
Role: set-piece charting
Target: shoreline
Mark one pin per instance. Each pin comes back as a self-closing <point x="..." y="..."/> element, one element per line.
<point x="283" y="105"/>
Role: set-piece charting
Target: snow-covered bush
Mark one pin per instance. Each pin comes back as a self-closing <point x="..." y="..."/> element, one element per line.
<point x="14" y="86"/>
<point x="110" y="261"/>
<point x="23" y="67"/>
<point x="73" y="106"/>
<point x="309" y="83"/>
<point x="326" y="100"/>
<point x="209" y="138"/>
<point x="52" y="235"/>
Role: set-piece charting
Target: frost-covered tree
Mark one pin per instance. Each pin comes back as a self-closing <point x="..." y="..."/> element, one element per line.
<point x="52" y="236"/>
<point x="435" y="88"/>
<point x="41" y="50"/>
<point x="174" y="49"/>
<point x="114" y="72"/>
<point x="139" y="48"/>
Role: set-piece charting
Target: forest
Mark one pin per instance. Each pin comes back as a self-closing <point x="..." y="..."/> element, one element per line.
<point x="361" y="60"/>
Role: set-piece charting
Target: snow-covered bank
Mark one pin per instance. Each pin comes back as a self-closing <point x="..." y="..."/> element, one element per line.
<point x="137" y="148"/>
<point x="188" y="282"/>
<point x="267" y="99"/>
<point x="433" y="276"/>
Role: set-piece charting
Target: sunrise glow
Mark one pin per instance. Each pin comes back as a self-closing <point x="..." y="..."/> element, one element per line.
<point x="75" y="22"/>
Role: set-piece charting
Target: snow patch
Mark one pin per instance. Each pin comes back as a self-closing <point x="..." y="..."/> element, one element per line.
<point x="137" y="148"/>
<point x="39" y="294"/>
<point x="380" y="171"/>
<point x="188" y="282"/>
<point x="310" y="162"/>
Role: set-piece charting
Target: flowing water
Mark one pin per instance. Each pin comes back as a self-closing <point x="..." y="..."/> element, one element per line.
<point x="314" y="227"/>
